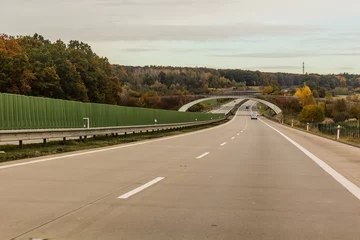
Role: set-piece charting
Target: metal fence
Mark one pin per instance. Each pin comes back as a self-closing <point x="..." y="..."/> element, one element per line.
<point x="346" y="130"/>
<point x="350" y="129"/>
<point x="24" y="112"/>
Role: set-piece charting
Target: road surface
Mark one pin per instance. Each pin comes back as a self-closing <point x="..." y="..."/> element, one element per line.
<point x="240" y="180"/>
<point x="224" y="109"/>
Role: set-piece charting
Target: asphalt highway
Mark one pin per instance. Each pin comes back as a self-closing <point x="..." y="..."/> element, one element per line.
<point x="224" y="109"/>
<point x="246" y="179"/>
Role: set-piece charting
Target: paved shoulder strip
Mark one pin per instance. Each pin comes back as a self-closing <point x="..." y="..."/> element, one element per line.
<point x="355" y="190"/>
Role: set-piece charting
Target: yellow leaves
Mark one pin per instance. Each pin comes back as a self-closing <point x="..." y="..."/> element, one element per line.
<point x="343" y="81"/>
<point x="50" y="74"/>
<point x="312" y="113"/>
<point x="13" y="48"/>
<point x="267" y="90"/>
<point x="2" y="46"/>
<point x="224" y="81"/>
<point x="305" y="96"/>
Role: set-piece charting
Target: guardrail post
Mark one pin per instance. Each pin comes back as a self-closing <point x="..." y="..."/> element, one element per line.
<point x="20" y="144"/>
<point x="85" y="138"/>
<point x="64" y="140"/>
<point x="292" y="123"/>
<point x="338" y="132"/>
<point x="44" y="141"/>
<point x="307" y="126"/>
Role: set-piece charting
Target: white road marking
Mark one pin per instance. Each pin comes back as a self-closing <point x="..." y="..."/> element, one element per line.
<point x="232" y="138"/>
<point x="238" y="134"/>
<point x="203" y="155"/>
<point x="242" y="131"/>
<point x="113" y="148"/>
<point x="139" y="189"/>
<point x="355" y="190"/>
<point x="223" y="144"/>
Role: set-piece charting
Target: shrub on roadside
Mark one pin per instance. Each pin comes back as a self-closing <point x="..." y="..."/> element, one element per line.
<point x="312" y="113"/>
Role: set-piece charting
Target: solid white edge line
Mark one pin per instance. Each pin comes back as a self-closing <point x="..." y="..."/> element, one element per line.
<point x="351" y="187"/>
<point x="203" y="155"/>
<point x="139" y="189"/>
<point x="114" y="148"/>
<point x="223" y="144"/>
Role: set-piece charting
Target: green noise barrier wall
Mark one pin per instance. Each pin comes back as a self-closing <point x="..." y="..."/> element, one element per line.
<point x="24" y="112"/>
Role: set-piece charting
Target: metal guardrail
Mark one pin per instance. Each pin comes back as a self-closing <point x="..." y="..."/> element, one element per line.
<point x="35" y="134"/>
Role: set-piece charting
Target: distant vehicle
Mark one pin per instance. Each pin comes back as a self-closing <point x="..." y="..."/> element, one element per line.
<point x="254" y="116"/>
<point x="247" y="107"/>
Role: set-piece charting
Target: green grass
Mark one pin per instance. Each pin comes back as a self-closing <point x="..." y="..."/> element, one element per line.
<point x="12" y="152"/>
<point x="255" y="88"/>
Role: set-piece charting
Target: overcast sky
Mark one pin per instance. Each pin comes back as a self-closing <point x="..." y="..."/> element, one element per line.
<point x="266" y="35"/>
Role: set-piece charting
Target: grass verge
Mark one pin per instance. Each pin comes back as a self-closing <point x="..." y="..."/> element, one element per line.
<point x="12" y="152"/>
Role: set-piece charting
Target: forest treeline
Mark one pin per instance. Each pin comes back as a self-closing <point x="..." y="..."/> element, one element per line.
<point x="35" y="66"/>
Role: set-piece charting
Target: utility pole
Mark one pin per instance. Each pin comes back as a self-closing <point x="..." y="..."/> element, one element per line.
<point x="303" y="68"/>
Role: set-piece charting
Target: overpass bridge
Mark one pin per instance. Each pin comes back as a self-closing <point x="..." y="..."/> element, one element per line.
<point x="275" y="108"/>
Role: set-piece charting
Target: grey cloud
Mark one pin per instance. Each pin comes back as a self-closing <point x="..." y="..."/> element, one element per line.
<point x="161" y="2"/>
<point x="141" y="50"/>
<point x="283" y="55"/>
<point x="184" y="32"/>
<point x="351" y="38"/>
<point x="346" y="68"/>
<point x="276" y="67"/>
<point x="190" y="50"/>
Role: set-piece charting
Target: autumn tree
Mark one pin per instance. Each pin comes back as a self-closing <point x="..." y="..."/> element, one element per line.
<point x="268" y="90"/>
<point x="340" y="111"/>
<point x="312" y="113"/>
<point x="305" y="96"/>
<point x="355" y="112"/>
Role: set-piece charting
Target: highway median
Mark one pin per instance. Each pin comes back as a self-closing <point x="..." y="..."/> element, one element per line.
<point x="12" y="152"/>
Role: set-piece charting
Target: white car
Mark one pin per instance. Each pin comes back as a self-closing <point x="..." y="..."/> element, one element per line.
<point x="254" y="116"/>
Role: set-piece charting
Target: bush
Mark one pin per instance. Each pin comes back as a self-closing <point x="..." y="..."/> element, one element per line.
<point x="329" y="95"/>
<point x="312" y="113"/>
<point x="315" y="94"/>
<point x="355" y="112"/>
<point x="340" y="116"/>
<point x="341" y="91"/>
<point x="340" y="105"/>
<point x="322" y="92"/>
